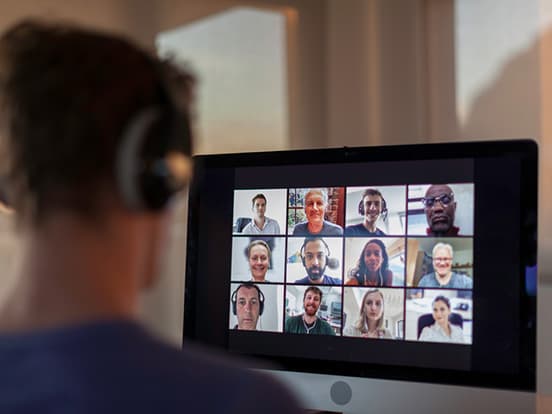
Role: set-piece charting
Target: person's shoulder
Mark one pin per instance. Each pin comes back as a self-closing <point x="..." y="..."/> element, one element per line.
<point x="303" y="280"/>
<point x="427" y="333"/>
<point x="331" y="280"/>
<point x="354" y="230"/>
<point x="326" y="327"/>
<point x="332" y="229"/>
<point x="238" y="390"/>
<point x="427" y="281"/>
<point x="388" y="277"/>
<point x="462" y="281"/>
<point x="248" y="229"/>
<point x="189" y="375"/>
<point x="300" y="229"/>
<point x="352" y="281"/>
<point x="119" y="367"/>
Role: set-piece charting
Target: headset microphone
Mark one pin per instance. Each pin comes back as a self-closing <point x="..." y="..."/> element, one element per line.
<point x="332" y="263"/>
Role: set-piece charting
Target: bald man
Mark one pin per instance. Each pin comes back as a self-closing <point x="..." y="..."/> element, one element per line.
<point x="440" y="209"/>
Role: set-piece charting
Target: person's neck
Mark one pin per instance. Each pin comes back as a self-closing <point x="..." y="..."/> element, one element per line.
<point x="73" y="271"/>
<point x="259" y="221"/>
<point x="372" y="325"/>
<point x="445" y="327"/>
<point x="370" y="226"/>
<point x="309" y="318"/>
<point x="443" y="280"/>
<point x="315" y="227"/>
<point x="258" y="279"/>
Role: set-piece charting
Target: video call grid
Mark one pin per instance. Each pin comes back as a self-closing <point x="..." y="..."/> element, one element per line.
<point x="406" y="288"/>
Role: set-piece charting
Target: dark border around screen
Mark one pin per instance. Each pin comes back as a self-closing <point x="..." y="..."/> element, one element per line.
<point x="505" y="176"/>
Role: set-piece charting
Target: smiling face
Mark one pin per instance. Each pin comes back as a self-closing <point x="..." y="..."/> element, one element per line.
<point x="442" y="261"/>
<point x="373" y="257"/>
<point x="441" y="312"/>
<point x="373" y="306"/>
<point x="315" y="207"/>
<point x="311" y="302"/>
<point x="440" y="208"/>
<point x="258" y="262"/>
<point x="372" y="208"/>
<point x="247" y="308"/>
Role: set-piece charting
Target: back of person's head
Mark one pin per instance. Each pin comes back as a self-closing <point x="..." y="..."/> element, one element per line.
<point x="68" y="97"/>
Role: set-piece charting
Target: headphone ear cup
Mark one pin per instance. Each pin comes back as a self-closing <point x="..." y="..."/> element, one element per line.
<point x="129" y="166"/>
<point x="361" y="207"/>
<point x="233" y="300"/>
<point x="383" y="209"/>
<point x="151" y="164"/>
<point x="261" y="303"/>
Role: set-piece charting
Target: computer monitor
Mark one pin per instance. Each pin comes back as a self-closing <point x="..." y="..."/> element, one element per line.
<point x="376" y="279"/>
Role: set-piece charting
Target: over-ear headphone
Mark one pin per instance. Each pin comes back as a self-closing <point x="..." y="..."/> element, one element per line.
<point x="152" y="162"/>
<point x="308" y="240"/>
<point x="373" y="192"/>
<point x="234" y="297"/>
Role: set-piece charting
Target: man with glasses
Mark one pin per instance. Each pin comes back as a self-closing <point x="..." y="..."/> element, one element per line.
<point x="440" y="208"/>
<point x="443" y="276"/>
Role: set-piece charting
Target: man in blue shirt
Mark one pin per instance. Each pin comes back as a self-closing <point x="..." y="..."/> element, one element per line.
<point x="95" y="141"/>
<point x="315" y="257"/>
<point x="316" y="202"/>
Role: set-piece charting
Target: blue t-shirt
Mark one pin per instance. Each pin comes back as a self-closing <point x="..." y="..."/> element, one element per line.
<point x="326" y="280"/>
<point x="328" y="229"/>
<point x="117" y="367"/>
<point x="360" y="230"/>
<point x="457" y="281"/>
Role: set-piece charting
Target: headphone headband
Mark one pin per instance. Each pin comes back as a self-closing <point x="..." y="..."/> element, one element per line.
<point x="234" y="296"/>
<point x="372" y="191"/>
<point x="153" y="159"/>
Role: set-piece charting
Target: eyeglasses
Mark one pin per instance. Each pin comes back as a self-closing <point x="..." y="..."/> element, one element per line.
<point x="444" y="199"/>
<point x="442" y="259"/>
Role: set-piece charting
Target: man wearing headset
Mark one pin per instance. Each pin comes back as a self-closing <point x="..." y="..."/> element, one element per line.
<point x="440" y="209"/>
<point x="372" y="206"/>
<point x="94" y="139"/>
<point x="247" y="305"/>
<point x="315" y="257"/>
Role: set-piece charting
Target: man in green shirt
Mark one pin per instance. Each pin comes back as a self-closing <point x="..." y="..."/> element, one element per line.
<point x="308" y="322"/>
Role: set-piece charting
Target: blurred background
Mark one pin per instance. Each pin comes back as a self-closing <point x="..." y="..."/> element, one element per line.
<point x="282" y="74"/>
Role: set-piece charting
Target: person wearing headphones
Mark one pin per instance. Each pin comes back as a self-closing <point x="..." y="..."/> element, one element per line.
<point x="372" y="207"/>
<point x="315" y="258"/>
<point x="94" y="142"/>
<point x="247" y="305"/>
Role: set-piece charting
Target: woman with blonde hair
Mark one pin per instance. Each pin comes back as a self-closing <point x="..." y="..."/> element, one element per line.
<point x="370" y="322"/>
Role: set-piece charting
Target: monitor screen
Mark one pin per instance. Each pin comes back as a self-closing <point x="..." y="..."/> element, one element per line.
<point x="366" y="261"/>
